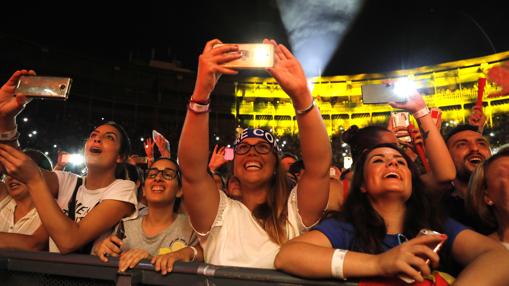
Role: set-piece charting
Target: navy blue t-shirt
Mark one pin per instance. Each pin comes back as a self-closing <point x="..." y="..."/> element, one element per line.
<point x="341" y="234"/>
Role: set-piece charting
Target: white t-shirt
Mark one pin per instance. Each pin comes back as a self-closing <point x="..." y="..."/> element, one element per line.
<point x="120" y="190"/>
<point x="28" y="224"/>
<point x="236" y="239"/>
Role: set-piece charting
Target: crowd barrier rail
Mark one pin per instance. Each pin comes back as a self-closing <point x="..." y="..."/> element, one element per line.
<point x="43" y="268"/>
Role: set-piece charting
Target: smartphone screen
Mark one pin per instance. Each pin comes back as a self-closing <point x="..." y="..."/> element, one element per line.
<point x="254" y="56"/>
<point x="228" y="153"/>
<point x="379" y="94"/>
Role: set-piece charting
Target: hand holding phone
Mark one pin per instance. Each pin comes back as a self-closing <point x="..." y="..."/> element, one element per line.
<point x="162" y="144"/>
<point x="400" y="122"/>
<point x="435" y="246"/>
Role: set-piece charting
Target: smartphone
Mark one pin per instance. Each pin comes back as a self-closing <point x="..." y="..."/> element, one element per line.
<point x="401" y="120"/>
<point x="436" y="247"/>
<point x="121" y="231"/>
<point x="253" y="56"/>
<point x="380" y="93"/>
<point x="156" y="134"/>
<point x="44" y="87"/>
<point x="228" y="153"/>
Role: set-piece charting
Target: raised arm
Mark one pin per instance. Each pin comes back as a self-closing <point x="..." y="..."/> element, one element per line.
<point x="10" y="107"/>
<point x="313" y="186"/>
<point x="200" y="194"/>
<point x="67" y="234"/>
<point x="441" y="164"/>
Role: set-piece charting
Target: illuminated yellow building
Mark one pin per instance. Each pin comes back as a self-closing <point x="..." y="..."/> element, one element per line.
<point x="452" y="87"/>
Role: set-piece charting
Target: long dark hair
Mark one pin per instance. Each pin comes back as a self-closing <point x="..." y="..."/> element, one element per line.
<point x="360" y="139"/>
<point x="369" y="226"/>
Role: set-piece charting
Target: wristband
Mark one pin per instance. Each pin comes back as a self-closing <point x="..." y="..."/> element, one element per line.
<point x="421" y="112"/>
<point x="336" y="265"/>
<point x="195" y="253"/>
<point x="307" y="109"/>
<point x="198" y="108"/>
<point x="200" y="102"/>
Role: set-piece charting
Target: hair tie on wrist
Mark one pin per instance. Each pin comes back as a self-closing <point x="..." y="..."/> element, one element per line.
<point x="421" y="112"/>
<point x="307" y="109"/>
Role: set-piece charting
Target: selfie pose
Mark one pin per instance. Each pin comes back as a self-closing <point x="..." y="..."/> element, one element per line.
<point x="249" y="232"/>
<point x="91" y="205"/>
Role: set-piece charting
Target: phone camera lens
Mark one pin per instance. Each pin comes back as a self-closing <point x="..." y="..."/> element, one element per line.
<point x="62" y="86"/>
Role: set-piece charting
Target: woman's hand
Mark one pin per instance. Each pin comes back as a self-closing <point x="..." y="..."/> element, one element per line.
<point x="164" y="263"/>
<point x="131" y="258"/>
<point x="217" y="158"/>
<point x="10" y="106"/>
<point x="163" y="145"/>
<point x="409" y="258"/>
<point x="289" y="74"/>
<point x="412" y="105"/>
<point x="149" y="149"/>
<point x="210" y="67"/>
<point x="18" y="165"/>
<point x="110" y="246"/>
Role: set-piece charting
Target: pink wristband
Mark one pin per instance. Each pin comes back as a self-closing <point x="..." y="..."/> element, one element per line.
<point x="421" y="113"/>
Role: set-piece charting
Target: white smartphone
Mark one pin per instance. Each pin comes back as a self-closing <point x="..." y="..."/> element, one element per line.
<point x="254" y="56"/>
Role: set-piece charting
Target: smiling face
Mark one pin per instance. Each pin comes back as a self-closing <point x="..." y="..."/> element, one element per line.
<point x="161" y="184"/>
<point x="468" y="149"/>
<point x="386" y="173"/>
<point x="253" y="167"/>
<point x="497" y="181"/>
<point x="102" y="147"/>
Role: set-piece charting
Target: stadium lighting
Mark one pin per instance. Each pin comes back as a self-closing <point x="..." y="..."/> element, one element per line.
<point x="25" y="119"/>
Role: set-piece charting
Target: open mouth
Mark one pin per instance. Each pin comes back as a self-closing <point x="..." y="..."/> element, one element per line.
<point x="476" y="159"/>
<point x="253" y="165"/>
<point x="392" y="175"/>
<point x="157" y="189"/>
<point x="95" y="150"/>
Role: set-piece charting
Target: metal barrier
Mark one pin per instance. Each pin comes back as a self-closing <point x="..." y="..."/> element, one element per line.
<point x="42" y="268"/>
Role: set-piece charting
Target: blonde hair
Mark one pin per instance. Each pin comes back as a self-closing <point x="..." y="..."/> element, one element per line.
<point x="478" y="187"/>
<point x="273" y="215"/>
<point x="476" y="192"/>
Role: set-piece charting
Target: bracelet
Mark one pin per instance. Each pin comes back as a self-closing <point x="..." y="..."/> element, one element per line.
<point x="200" y="102"/>
<point x="198" y="108"/>
<point x="10" y="135"/>
<point x="195" y="253"/>
<point x="421" y="112"/>
<point x="336" y="265"/>
<point x="307" y="109"/>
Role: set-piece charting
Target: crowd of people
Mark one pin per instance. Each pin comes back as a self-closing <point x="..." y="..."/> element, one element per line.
<point x="417" y="203"/>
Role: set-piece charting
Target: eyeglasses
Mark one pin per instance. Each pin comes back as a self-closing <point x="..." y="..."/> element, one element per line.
<point x="167" y="173"/>
<point x="260" y="148"/>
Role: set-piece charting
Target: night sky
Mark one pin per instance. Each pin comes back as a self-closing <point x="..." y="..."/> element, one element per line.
<point x="386" y="35"/>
